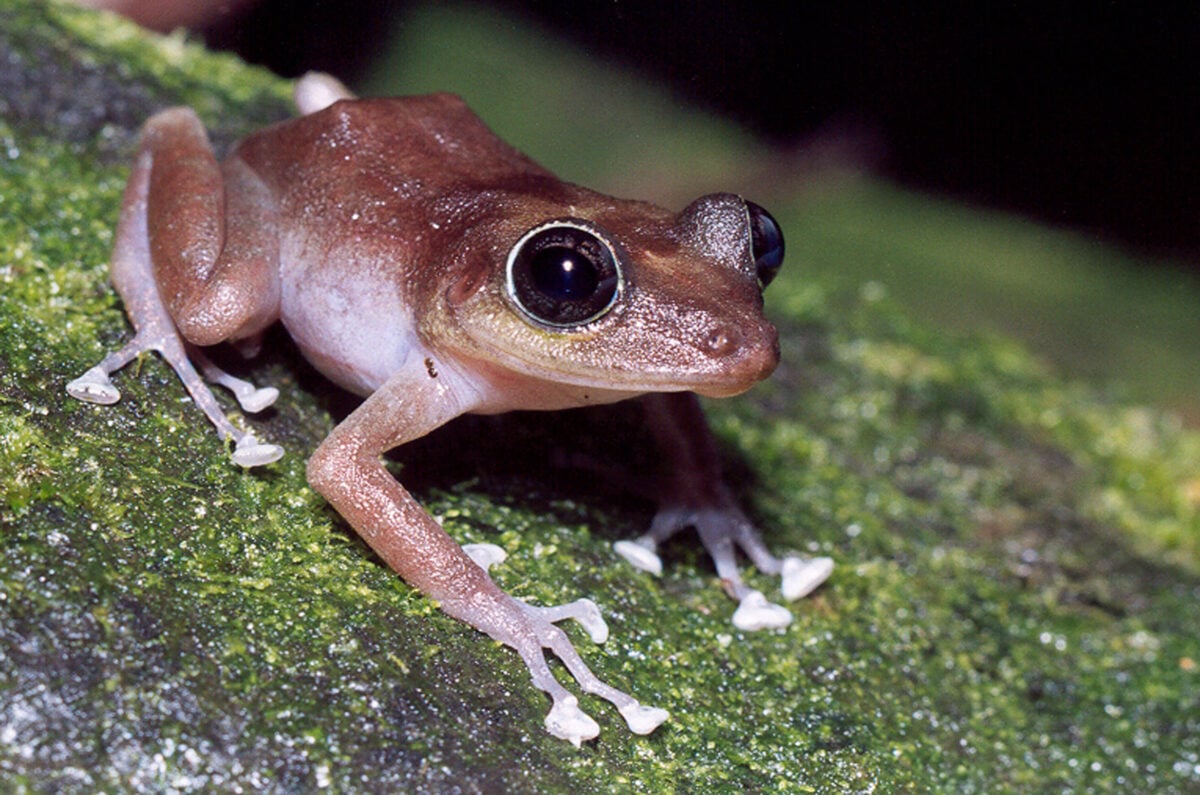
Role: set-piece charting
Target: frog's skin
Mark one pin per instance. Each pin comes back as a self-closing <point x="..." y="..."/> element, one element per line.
<point x="422" y="263"/>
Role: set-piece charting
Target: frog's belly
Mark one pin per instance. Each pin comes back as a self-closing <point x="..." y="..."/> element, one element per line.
<point x="355" y="330"/>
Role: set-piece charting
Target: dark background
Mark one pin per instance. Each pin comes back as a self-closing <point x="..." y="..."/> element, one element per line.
<point x="1084" y="118"/>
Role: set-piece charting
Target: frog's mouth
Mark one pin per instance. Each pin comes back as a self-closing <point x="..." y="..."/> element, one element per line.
<point x="660" y="347"/>
<point x="619" y="376"/>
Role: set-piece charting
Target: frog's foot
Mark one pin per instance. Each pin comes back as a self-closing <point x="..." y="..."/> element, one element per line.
<point x="723" y="530"/>
<point x="566" y="720"/>
<point x="532" y="630"/>
<point x="95" y="386"/>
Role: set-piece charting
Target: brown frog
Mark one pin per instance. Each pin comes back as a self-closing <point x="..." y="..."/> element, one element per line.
<point x="419" y="261"/>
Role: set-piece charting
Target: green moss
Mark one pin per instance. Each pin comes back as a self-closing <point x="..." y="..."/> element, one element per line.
<point x="1014" y="607"/>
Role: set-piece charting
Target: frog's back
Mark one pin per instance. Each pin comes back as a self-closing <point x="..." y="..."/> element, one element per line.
<point x="417" y="147"/>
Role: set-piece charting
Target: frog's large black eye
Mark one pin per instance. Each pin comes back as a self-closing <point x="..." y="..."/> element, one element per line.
<point x="766" y="243"/>
<point x="562" y="274"/>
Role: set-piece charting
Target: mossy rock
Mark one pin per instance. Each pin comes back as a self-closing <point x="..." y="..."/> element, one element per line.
<point x="1014" y="606"/>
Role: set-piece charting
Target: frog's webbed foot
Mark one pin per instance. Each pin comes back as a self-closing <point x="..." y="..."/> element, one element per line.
<point x="532" y="630"/>
<point x="723" y="530"/>
<point x="95" y="386"/>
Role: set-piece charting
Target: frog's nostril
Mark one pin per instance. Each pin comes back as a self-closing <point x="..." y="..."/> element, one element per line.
<point x="721" y="341"/>
<point x="739" y="356"/>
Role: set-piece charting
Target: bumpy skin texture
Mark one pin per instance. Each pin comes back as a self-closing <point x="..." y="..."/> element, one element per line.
<point x="379" y="232"/>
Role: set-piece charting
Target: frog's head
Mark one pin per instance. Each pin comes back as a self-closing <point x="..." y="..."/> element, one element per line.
<point x="621" y="297"/>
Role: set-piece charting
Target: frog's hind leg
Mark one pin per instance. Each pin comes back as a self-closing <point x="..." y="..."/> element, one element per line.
<point x="133" y="275"/>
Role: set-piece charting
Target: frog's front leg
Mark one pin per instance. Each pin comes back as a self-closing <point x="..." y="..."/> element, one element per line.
<point x="173" y="239"/>
<point x="696" y="496"/>
<point x="348" y="471"/>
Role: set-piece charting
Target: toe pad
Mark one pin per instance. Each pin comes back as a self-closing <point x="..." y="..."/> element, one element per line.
<point x="754" y="612"/>
<point x="94" y="387"/>
<point x="568" y="722"/>
<point x="639" y="556"/>
<point x="801" y="577"/>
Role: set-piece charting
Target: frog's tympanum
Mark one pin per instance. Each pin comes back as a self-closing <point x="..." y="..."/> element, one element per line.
<point x="422" y="263"/>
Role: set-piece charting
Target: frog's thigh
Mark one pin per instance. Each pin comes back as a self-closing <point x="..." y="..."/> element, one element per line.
<point x="211" y="230"/>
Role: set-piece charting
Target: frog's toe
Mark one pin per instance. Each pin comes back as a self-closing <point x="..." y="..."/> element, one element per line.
<point x="94" y="386"/>
<point x="754" y="612"/>
<point x="251" y="398"/>
<point x="640" y="554"/>
<point x="568" y="722"/>
<point x="801" y="577"/>
<point x="316" y="91"/>
<point x="257" y="399"/>
<point x="485" y="555"/>
<point x="642" y="719"/>
<point x="585" y="611"/>
<point x="249" y="452"/>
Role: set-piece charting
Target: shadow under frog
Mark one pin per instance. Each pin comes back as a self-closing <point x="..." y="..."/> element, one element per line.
<point x="424" y="265"/>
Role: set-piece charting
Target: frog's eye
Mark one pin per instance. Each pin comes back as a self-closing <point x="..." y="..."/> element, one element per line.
<point x="766" y="243"/>
<point x="563" y="274"/>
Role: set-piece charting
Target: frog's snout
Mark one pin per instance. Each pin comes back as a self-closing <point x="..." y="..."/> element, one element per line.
<point x="742" y="356"/>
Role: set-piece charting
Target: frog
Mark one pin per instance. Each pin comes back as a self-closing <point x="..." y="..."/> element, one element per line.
<point x="425" y="265"/>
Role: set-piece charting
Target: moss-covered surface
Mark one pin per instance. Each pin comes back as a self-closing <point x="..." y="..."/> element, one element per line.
<point x="1014" y="608"/>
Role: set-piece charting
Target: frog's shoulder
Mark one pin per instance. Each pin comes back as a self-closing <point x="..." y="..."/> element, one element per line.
<point x="436" y="135"/>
